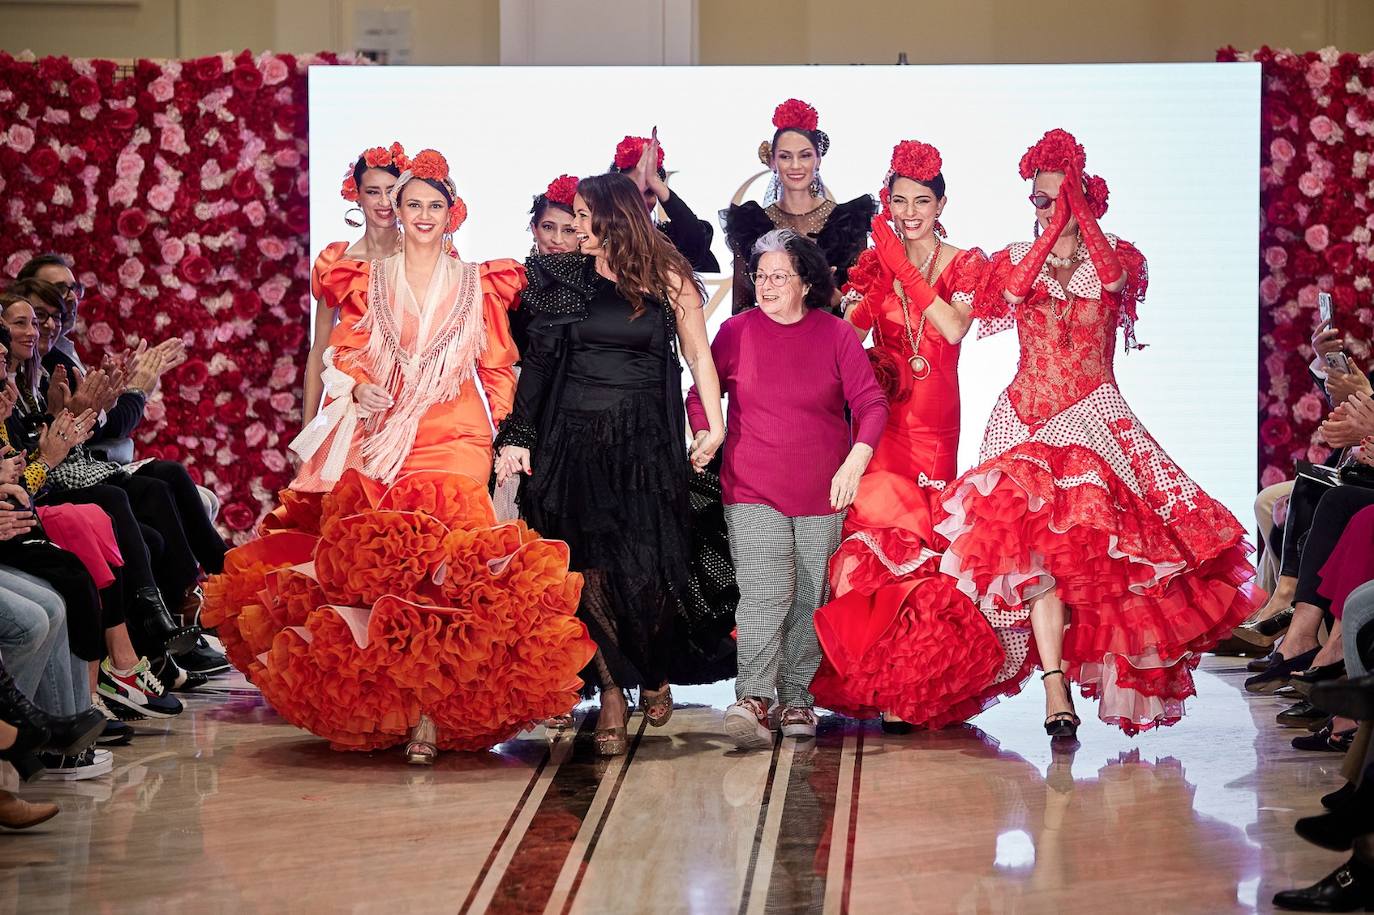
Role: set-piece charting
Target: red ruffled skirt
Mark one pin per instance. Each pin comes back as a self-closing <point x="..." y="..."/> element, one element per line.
<point x="358" y="611"/>
<point x="1153" y="571"/>
<point x="888" y="633"/>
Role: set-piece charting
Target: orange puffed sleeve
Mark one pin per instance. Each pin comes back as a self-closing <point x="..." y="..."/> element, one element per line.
<point x="345" y="284"/>
<point x="328" y="257"/>
<point x="502" y="281"/>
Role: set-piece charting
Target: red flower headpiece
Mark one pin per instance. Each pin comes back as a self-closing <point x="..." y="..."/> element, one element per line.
<point x="628" y="151"/>
<point x="430" y="163"/>
<point x="915" y="160"/>
<point x="562" y="189"/>
<point x="1095" y="191"/>
<point x="376" y="157"/>
<point x="1053" y="153"/>
<point x="794" y="114"/>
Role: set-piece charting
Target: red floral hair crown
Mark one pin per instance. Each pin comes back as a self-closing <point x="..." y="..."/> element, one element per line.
<point x="561" y="190"/>
<point x="628" y="151"/>
<point x="376" y="157"/>
<point x="430" y="165"/>
<point x="1056" y="151"/>
<point x="794" y="114"/>
<point x="915" y="160"/>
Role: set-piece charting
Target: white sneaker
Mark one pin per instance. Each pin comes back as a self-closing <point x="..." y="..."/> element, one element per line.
<point x="90" y="763"/>
<point x="798" y="722"/>
<point x="746" y="723"/>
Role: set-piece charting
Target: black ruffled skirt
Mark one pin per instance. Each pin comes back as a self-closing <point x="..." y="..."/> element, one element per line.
<point x="612" y="481"/>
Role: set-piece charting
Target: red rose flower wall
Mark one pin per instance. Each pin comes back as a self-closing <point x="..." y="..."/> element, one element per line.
<point x="180" y="190"/>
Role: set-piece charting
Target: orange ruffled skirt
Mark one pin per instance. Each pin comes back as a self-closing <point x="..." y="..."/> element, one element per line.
<point x="361" y="609"/>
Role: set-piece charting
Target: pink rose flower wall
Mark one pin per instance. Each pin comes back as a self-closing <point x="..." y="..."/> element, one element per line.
<point x="181" y="192"/>
<point x="1316" y="226"/>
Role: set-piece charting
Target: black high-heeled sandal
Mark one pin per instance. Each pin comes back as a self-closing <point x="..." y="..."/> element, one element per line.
<point x="895" y="725"/>
<point x="1061" y="724"/>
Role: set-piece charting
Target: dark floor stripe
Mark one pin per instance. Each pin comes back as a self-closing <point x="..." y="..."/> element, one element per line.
<point x="501" y="839"/>
<point x="529" y="880"/>
<point x="758" y="830"/>
<point x="605" y="815"/>
<point x="853" y="829"/>
<point x="797" y="883"/>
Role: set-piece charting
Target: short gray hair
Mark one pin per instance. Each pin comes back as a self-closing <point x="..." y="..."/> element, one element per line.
<point x="774" y="241"/>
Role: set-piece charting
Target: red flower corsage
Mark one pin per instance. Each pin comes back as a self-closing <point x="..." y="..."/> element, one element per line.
<point x="916" y="160"/>
<point x="562" y="189"/>
<point x="349" y="191"/>
<point x="1053" y="153"/>
<point x="628" y="151"/>
<point x="430" y="163"/>
<point x="794" y="114"/>
<point x="1095" y="191"/>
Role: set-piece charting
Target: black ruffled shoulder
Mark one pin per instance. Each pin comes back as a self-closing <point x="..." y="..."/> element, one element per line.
<point x="558" y="284"/>
<point x="845" y="234"/>
<point x="743" y="224"/>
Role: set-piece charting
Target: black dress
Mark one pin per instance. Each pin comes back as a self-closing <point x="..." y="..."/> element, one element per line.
<point x="842" y="237"/>
<point x="599" y="404"/>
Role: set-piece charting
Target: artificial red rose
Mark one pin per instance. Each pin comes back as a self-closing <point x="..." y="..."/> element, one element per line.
<point x="132" y="223"/>
<point x="247" y="78"/>
<point x="83" y="91"/>
<point x="194" y="373"/>
<point x="247" y="304"/>
<point x="895" y="379"/>
<point x="1288" y="335"/>
<point x="232" y="411"/>
<point x="238" y="516"/>
<point x="245" y="185"/>
<point x="1281" y="214"/>
<point x="195" y="269"/>
<point x="1306" y="265"/>
<point x="298" y="217"/>
<point x="44" y="161"/>
<point x="1275" y="431"/>
<point x="562" y="189"/>
<point x="207" y="69"/>
<point x="628" y="151"/>
<point x="430" y="163"/>
<point x="1343" y="298"/>
<point x="915" y="160"/>
<point x="794" y="114"/>
<point x="287" y="116"/>
<point x="292" y="336"/>
<point x="1341" y="256"/>
<point x="1052" y="153"/>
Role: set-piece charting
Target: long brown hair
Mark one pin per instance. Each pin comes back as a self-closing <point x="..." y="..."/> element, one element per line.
<point x="644" y="261"/>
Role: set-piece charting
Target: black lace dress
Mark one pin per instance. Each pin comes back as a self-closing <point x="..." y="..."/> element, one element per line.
<point x="839" y="229"/>
<point x="599" y="404"/>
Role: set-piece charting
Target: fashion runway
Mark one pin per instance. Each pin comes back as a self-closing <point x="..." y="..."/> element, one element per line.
<point x="247" y="814"/>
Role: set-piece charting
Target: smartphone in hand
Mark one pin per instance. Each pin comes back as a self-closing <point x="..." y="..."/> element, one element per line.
<point x="1324" y="307"/>
<point x="1337" y="362"/>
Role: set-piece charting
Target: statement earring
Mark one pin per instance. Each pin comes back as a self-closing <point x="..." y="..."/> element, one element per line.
<point x="355" y="223"/>
<point x="1037" y="228"/>
<point x="816" y="184"/>
<point x="940" y="228"/>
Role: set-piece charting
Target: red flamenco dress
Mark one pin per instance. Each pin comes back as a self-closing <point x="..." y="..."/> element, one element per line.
<point x="360" y="609"/>
<point x="887" y="630"/>
<point x="1071" y="492"/>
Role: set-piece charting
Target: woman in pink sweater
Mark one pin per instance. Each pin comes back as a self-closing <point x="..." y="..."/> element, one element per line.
<point x="791" y="469"/>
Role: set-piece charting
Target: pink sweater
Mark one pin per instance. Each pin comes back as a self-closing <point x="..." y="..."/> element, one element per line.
<point x="788" y="385"/>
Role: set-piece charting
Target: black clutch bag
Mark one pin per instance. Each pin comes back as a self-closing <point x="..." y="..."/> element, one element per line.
<point x="1357" y="474"/>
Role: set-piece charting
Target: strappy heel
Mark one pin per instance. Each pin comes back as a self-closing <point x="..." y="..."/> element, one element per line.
<point x="614" y="741"/>
<point x="423" y="748"/>
<point x="1061" y="724"/>
<point x="657" y="706"/>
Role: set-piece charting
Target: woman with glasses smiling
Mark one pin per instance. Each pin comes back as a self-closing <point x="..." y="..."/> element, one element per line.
<point x="791" y="468"/>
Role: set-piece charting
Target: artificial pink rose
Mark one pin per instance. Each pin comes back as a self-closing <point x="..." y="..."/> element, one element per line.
<point x="272" y="248"/>
<point x="1276" y="257"/>
<point x="172" y="250"/>
<point x="286" y="158"/>
<point x="1309" y="408"/>
<point x="1317" y="237"/>
<point x="1282" y="150"/>
<point x="1310" y="184"/>
<point x="274" y="71"/>
<point x="282" y="401"/>
<point x="1318" y="74"/>
<point x="20" y="137"/>
<point x="1272" y="476"/>
<point x="1269" y="290"/>
<point x="1317" y="453"/>
<point x="255" y="213"/>
<point x="155" y="411"/>
<point x="1307" y="296"/>
<point x="100" y="333"/>
<point x="161" y="197"/>
<point x="17" y="261"/>
<point x="132" y="223"/>
<point x="129" y="164"/>
<point x="162" y="89"/>
<point x="283" y="373"/>
<point x="274" y="460"/>
<point x="274" y="290"/>
<point x="224" y="333"/>
<point x="254" y="435"/>
<point x="174" y="139"/>
<point x="131" y="271"/>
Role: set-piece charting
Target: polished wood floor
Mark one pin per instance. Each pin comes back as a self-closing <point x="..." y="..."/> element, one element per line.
<point x="227" y="809"/>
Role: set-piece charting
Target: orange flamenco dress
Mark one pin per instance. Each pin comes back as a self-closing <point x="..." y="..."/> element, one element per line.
<point x="886" y="632"/>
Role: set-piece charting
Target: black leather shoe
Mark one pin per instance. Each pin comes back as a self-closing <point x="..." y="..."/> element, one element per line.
<point x="1348" y="888"/>
<point x="1335" y="830"/>
<point x="1348" y="698"/>
<point x="151" y="614"/>
<point x="1304" y="680"/>
<point x="202" y="659"/>
<point x="1260" y="665"/>
<point x="896" y="727"/>
<point x="1277" y="674"/>
<point x="1324" y="741"/>
<point x="1300" y="715"/>
<point x="1340" y="796"/>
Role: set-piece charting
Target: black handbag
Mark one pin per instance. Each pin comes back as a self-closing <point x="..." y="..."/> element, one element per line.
<point x="1357" y="474"/>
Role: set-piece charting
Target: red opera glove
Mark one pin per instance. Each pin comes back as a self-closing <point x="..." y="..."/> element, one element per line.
<point x="1100" y="250"/>
<point x="1019" y="284"/>
<point x="892" y="258"/>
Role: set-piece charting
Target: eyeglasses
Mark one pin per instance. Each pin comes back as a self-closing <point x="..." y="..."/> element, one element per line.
<point x="71" y="290"/>
<point x="777" y="279"/>
<point x="1040" y="200"/>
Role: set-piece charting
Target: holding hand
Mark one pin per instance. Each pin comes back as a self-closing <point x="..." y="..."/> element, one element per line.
<point x="844" y="486"/>
<point x="705" y="444"/>
<point x="1327" y="340"/>
<point x="15" y="522"/>
<point x="512" y="460"/>
<point x="1341" y="386"/>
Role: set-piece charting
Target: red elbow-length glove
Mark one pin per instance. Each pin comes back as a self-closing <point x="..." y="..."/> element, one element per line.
<point x="1023" y="276"/>
<point x="892" y="257"/>
<point x="1100" y="250"/>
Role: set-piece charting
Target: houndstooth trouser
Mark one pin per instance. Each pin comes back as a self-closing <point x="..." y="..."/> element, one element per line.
<point x="781" y="565"/>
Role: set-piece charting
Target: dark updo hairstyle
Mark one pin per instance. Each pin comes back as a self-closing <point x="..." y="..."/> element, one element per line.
<point x="361" y="166"/>
<point x="936" y="185"/>
<point x="817" y="138"/>
<point x="542" y="203"/>
<point x="807" y="259"/>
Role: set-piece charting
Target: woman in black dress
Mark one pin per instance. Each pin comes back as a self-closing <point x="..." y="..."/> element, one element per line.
<point x="797" y="199"/>
<point x="599" y="428"/>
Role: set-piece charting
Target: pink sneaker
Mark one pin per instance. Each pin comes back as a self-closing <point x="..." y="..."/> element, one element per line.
<point x="746" y="723"/>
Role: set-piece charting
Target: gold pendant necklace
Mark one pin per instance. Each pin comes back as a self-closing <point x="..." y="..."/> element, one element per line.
<point x="920" y="366"/>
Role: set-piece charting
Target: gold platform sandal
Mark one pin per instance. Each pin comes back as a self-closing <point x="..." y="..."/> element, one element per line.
<point x="423" y="749"/>
<point x="657" y="705"/>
